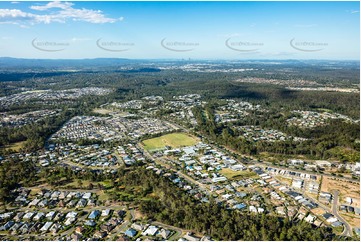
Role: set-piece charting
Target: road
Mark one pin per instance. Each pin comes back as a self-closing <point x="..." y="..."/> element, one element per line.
<point x="163" y="162"/>
<point x="347" y="228"/>
<point x="132" y="214"/>
<point x="268" y="164"/>
<point x="120" y="229"/>
<point x="179" y="232"/>
<point x="303" y="171"/>
<point x="70" y="163"/>
<point x="170" y="227"/>
<point x="226" y="149"/>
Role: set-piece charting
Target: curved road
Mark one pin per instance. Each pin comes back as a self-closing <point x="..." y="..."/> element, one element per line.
<point x="347" y="228"/>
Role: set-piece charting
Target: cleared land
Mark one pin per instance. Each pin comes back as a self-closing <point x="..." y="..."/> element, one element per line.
<point x="284" y="180"/>
<point x="352" y="219"/>
<point x="318" y="211"/>
<point x="102" y="111"/>
<point x="231" y="174"/>
<point x="346" y="188"/>
<point x="14" y="146"/>
<point x="174" y="140"/>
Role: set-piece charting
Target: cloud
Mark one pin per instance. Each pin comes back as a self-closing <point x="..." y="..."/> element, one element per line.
<point x="352" y="11"/>
<point x="55" y="4"/>
<point x="91" y="16"/>
<point x="13" y="15"/>
<point x="59" y="12"/>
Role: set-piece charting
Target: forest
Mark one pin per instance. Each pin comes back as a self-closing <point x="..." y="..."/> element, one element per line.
<point x="135" y="79"/>
<point x="159" y="199"/>
<point x="177" y="208"/>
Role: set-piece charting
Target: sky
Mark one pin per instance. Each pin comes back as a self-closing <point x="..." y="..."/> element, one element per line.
<point x="180" y="30"/>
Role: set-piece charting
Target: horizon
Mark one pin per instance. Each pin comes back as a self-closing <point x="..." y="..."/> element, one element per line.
<point x="181" y="30"/>
<point x="175" y="59"/>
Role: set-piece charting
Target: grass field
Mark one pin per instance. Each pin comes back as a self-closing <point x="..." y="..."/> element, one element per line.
<point x="102" y="111"/>
<point x="174" y="140"/>
<point x="15" y="146"/>
<point x="323" y="110"/>
<point x="231" y="174"/>
<point x="284" y="180"/>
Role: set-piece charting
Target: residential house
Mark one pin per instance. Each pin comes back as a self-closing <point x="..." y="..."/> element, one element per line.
<point x="34" y="202"/>
<point x="164" y="233"/>
<point x="106" y="212"/>
<point x="71" y="214"/>
<point x="130" y="232"/>
<point x="76" y="237"/>
<point x="29" y="215"/>
<point x="69" y="221"/>
<point x="100" y="234"/>
<point x="138" y="227"/>
<point x="81" y="203"/>
<point x="25" y="228"/>
<point x="16" y="226"/>
<point x="90" y="223"/>
<point x="151" y="230"/>
<point x="79" y="230"/>
<point x="19" y="216"/>
<point x="50" y="215"/>
<point x="43" y="203"/>
<point x="94" y="214"/>
<point x="87" y="195"/>
<point x="46" y="226"/>
<point x="55" y="228"/>
<point x="38" y="216"/>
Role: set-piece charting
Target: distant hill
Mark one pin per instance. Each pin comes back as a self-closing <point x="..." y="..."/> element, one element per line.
<point x="63" y="63"/>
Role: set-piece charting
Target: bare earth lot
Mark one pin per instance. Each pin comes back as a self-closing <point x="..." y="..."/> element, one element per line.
<point x="346" y="188"/>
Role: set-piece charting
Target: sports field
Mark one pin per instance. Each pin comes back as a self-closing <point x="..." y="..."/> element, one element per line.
<point x="174" y="140"/>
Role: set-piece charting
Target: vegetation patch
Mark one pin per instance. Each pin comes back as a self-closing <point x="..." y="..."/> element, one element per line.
<point x="231" y="174"/>
<point x="102" y="111"/>
<point x="174" y="140"/>
<point x="15" y="146"/>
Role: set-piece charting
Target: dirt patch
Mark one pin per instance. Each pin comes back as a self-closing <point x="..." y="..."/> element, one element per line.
<point x="138" y="214"/>
<point x="102" y="111"/>
<point x="352" y="219"/>
<point x="346" y="188"/>
<point x="318" y="211"/>
<point x="284" y="180"/>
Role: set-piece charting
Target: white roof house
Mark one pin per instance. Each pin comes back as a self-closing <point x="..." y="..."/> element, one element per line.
<point x="87" y="195"/>
<point x="151" y="230"/>
<point x="46" y="226"/>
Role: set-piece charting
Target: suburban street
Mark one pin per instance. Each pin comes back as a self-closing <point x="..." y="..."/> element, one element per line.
<point x="347" y="228"/>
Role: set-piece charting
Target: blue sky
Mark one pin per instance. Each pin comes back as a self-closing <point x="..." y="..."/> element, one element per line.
<point x="198" y="30"/>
